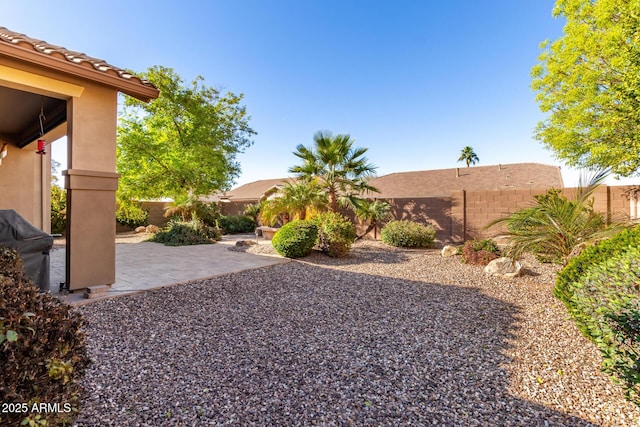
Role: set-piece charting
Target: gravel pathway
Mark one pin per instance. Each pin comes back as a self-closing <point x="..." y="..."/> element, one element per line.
<point x="383" y="337"/>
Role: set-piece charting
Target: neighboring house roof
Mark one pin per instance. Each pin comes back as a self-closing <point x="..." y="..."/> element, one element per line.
<point x="252" y="191"/>
<point x="442" y="182"/>
<point x="60" y="59"/>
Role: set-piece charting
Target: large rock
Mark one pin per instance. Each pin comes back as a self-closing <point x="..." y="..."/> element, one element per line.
<point x="505" y="267"/>
<point x="152" y="228"/>
<point x="449" y="250"/>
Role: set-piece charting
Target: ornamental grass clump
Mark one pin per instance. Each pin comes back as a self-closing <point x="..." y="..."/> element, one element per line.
<point x="601" y="289"/>
<point x="336" y="233"/>
<point x="43" y="354"/>
<point x="295" y="239"/>
<point x="408" y="234"/>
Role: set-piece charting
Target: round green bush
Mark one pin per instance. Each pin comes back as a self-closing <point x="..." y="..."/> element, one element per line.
<point x="408" y="234"/>
<point x="600" y="288"/>
<point x="42" y="348"/>
<point x="295" y="239"/>
<point x="336" y="233"/>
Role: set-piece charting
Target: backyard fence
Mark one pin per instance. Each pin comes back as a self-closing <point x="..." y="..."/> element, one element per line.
<point x="462" y="215"/>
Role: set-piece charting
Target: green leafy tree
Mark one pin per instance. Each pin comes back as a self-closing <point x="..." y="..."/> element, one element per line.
<point x="58" y="202"/>
<point x="588" y="81"/>
<point x="58" y="209"/>
<point x="469" y="156"/>
<point x="183" y="144"/>
<point x="342" y="170"/>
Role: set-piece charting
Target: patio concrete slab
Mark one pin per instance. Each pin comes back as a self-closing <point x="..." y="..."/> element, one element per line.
<point x="145" y="266"/>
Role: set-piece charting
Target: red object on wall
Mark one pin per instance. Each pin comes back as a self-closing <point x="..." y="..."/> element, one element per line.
<point x="41" y="147"/>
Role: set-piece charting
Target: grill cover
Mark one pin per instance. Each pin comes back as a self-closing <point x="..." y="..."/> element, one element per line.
<point x="32" y="243"/>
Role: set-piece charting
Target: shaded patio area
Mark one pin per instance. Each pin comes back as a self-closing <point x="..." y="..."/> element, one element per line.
<point x="145" y="265"/>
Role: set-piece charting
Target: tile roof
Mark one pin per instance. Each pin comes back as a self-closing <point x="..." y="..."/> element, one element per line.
<point x="80" y="60"/>
<point x="253" y="190"/>
<point x="442" y="182"/>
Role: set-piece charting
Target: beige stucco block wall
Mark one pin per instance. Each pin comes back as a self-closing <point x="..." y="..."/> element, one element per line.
<point x="92" y="121"/>
<point x="91" y="183"/>
<point x="21" y="178"/>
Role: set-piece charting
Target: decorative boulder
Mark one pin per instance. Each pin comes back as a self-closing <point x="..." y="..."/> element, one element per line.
<point x="449" y="250"/>
<point x="141" y="229"/>
<point x="245" y="243"/>
<point x="504" y="267"/>
<point x="152" y="229"/>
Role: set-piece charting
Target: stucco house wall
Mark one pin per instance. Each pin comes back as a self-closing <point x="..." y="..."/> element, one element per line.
<point x="88" y="88"/>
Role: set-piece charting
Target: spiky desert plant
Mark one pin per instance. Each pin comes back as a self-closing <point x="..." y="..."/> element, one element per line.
<point x="555" y="224"/>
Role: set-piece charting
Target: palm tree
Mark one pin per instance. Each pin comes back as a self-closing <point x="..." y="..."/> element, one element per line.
<point x="372" y="212"/>
<point x="294" y="201"/>
<point x="468" y="155"/>
<point x="555" y="225"/>
<point x="188" y="207"/>
<point x="341" y="169"/>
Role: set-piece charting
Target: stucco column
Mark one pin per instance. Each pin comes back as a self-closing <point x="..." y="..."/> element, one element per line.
<point x="91" y="182"/>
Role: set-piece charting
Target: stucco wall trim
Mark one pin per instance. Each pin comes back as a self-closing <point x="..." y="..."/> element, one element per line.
<point x="19" y="79"/>
<point x="76" y="179"/>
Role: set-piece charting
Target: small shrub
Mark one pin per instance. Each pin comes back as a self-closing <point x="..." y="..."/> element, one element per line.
<point x="131" y="214"/>
<point x="207" y="213"/>
<point x="183" y="233"/>
<point x="42" y="348"/>
<point x="336" y="233"/>
<point x="408" y="234"/>
<point x="234" y="224"/>
<point x="295" y="239"/>
<point x="253" y="211"/>
<point x="480" y="252"/>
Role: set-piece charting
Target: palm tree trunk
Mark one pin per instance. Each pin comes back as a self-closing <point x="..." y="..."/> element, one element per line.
<point x="371" y="226"/>
<point x="333" y="201"/>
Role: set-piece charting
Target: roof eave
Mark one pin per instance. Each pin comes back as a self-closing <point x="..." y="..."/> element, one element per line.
<point x="130" y="87"/>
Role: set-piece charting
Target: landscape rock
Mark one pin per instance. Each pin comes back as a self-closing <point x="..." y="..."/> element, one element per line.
<point x="245" y="243"/>
<point x="152" y="228"/>
<point x="449" y="250"/>
<point x="384" y="336"/>
<point x="504" y="267"/>
<point x="141" y="229"/>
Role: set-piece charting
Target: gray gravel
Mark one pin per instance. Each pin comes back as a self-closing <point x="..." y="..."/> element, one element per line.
<point x="383" y="337"/>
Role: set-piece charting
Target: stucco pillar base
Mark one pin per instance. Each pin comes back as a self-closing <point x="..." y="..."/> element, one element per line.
<point x="91" y="228"/>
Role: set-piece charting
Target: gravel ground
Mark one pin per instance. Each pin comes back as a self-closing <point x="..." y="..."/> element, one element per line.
<point x="383" y="337"/>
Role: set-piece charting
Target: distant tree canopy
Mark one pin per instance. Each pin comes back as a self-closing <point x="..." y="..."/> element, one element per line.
<point x="589" y="82"/>
<point x="183" y="144"/>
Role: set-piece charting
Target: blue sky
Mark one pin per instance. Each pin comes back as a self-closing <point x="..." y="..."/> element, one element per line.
<point x="414" y="81"/>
